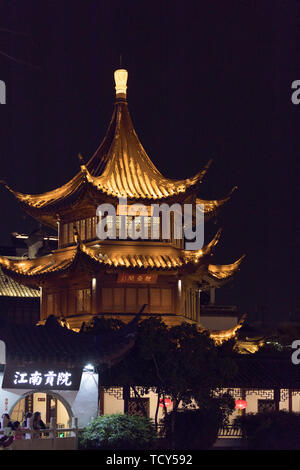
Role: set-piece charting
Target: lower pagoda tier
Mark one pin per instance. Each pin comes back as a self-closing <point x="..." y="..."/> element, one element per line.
<point x="117" y="279"/>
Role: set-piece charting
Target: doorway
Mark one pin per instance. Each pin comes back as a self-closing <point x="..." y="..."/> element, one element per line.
<point x="48" y="404"/>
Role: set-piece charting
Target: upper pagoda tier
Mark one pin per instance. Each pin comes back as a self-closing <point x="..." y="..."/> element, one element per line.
<point x="119" y="168"/>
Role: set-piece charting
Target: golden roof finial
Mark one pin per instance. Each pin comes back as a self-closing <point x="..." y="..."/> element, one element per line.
<point x="121" y="76"/>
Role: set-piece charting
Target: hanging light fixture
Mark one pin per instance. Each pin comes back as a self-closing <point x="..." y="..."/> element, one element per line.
<point x="241" y="404"/>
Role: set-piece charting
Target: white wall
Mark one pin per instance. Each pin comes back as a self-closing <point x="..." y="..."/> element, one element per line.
<point x="218" y="322"/>
<point x="2" y="352"/>
<point x="114" y="405"/>
<point x="83" y="403"/>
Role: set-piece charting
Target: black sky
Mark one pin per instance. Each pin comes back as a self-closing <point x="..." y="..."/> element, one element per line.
<point x="206" y="80"/>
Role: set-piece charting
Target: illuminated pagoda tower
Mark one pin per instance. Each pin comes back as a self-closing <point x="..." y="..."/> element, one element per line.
<point x="87" y="276"/>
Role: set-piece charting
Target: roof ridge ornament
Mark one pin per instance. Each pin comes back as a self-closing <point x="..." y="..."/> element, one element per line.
<point x="121" y="76"/>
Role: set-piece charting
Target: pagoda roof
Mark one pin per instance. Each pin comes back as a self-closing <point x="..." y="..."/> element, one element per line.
<point x="120" y="168"/>
<point x="212" y="205"/>
<point x="218" y="274"/>
<point x="105" y="255"/>
<point x="10" y="288"/>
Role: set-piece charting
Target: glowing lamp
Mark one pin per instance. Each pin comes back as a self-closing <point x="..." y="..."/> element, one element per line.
<point x="168" y="402"/>
<point x="241" y="404"/>
<point x="121" y="76"/>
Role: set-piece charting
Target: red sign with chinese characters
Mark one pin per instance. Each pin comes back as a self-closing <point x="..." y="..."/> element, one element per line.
<point x="137" y="278"/>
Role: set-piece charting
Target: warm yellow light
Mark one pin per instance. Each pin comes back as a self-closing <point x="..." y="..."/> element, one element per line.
<point x="121" y="76"/>
<point x="179" y="286"/>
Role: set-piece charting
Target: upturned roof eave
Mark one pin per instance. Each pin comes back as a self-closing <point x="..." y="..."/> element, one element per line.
<point x="31" y="272"/>
<point x="138" y="178"/>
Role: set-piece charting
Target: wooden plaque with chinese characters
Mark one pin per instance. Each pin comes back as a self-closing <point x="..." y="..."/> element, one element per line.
<point x="42" y="377"/>
<point x="127" y="278"/>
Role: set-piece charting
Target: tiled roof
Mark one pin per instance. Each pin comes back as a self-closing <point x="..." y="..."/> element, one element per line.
<point x="11" y="288"/>
<point x="147" y="258"/>
<point x="256" y="371"/>
<point x="120" y="167"/>
<point x="52" y="342"/>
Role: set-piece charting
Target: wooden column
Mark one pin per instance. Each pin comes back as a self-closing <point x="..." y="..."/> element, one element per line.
<point x="126" y="396"/>
<point x="101" y="400"/>
<point x="179" y="297"/>
<point x="277" y="398"/>
<point x="290" y="401"/>
<point x="94" y="295"/>
<point x="43" y="304"/>
<point x="243" y="395"/>
<point x="98" y="297"/>
<point x="212" y="295"/>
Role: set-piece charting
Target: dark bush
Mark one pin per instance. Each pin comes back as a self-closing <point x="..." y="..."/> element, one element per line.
<point x="197" y="428"/>
<point x="119" y="432"/>
<point x="271" y="430"/>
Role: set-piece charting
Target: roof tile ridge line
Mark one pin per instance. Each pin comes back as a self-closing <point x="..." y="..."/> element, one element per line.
<point x="233" y="329"/>
<point x="88" y="177"/>
<point x="192" y="180"/>
<point x="115" y="110"/>
<point x="135" y="172"/>
<point x="110" y="154"/>
<point x="86" y="250"/>
<point x="24" y="198"/>
<point x="235" y="263"/>
<point x="210" y="246"/>
<point x="127" y="116"/>
<point x="160" y="176"/>
<point x="200" y="175"/>
<point x="221" y="200"/>
<point x="189" y="255"/>
<point x="223" y="272"/>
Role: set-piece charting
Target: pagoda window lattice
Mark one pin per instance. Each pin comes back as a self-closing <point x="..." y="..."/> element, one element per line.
<point x="192" y="304"/>
<point x="85" y="227"/>
<point x="53" y="304"/>
<point x="83" y="301"/>
<point x="126" y="299"/>
<point x="139" y="227"/>
<point x="135" y="227"/>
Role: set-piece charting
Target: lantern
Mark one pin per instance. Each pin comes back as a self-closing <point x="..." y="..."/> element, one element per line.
<point x="168" y="402"/>
<point x="241" y="404"/>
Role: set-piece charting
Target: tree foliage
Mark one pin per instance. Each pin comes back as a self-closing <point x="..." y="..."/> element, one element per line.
<point x="198" y="428"/>
<point x="178" y="362"/>
<point x="119" y="432"/>
<point x="270" y="430"/>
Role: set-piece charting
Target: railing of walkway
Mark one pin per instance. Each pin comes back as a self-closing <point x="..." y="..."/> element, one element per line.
<point x="52" y="438"/>
<point x="230" y="431"/>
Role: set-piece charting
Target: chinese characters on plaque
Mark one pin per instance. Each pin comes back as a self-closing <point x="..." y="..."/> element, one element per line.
<point x="137" y="278"/>
<point x="37" y="378"/>
<point x="55" y="378"/>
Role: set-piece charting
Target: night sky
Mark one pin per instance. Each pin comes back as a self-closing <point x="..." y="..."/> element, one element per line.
<point x="206" y="80"/>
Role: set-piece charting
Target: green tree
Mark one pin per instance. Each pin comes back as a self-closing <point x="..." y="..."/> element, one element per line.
<point x="118" y="432"/>
<point x="178" y="362"/>
<point x="270" y="430"/>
